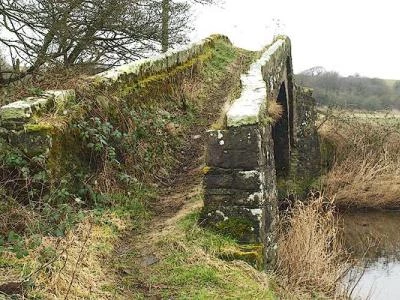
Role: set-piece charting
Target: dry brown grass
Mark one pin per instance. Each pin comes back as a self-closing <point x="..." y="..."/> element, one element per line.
<point x="310" y="256"/>
<point x="76" y="266"/>
<point x="14" y="217"/>
<point x="51" y="79"/>
<point x="275" y="110"/>
<point x="366" y="167"/>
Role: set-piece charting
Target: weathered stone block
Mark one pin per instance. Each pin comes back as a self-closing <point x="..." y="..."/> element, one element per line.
<point x="248" y="180"/>
<point x="246" y="160"/>
<point x="15" y="114"/>
<point x="237" y="138"/>
<point x="236" y="148"/>
<point x="212" y="181"/>
<point x="227" y="197"/>
<point x="31" y="143"/>
<point x="244" y="137"/>
<point x="241" y="223"/>
<point x="307" y="141"/>
<point x="217" y="157"/>
<point x="19" y="110"/>
<point x="61" y="97"/>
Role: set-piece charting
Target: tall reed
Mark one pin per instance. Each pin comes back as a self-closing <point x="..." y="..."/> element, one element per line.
<point x="310" y="255"/>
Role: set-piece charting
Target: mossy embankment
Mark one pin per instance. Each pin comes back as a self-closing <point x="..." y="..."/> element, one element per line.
<point x="93" y="221"/>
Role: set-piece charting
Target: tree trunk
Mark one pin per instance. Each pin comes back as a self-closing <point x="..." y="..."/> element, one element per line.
<point x="165" y="21"/>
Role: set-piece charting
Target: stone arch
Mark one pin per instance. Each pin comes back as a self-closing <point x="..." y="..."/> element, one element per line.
<point x="281" y="134"/>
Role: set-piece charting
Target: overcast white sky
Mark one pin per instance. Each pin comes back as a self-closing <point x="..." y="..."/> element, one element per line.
<point x="348" y="36"/>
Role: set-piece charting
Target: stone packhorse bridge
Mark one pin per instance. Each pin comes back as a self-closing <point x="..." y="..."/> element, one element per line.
<point x="246" y="159"/>
<point x="246" y="156"/>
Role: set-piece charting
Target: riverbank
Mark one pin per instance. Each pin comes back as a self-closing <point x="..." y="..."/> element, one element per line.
<point x="362" y="158"/>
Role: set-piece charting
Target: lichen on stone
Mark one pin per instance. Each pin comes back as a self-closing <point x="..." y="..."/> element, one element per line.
<point x="249" y="107"/>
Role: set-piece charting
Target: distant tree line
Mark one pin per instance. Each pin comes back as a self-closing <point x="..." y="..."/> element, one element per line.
<point x="353" y="91"/>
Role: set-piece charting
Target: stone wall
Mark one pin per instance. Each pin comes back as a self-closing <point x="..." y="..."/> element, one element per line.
<point x="24" y="130"/>
<point x="244" y="157"/>
<point x="19" y="126"/>
<point x="145" y="68"/>
<point x="307" y="141"/>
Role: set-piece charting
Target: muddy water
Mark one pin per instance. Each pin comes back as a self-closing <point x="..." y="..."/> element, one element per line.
<point x="373" y="239"/>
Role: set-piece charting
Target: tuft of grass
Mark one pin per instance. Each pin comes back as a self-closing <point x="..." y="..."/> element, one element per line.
<point x="310" y="256"/>
<point x="14" y="217"/>
<point x="365" y="169"/>
<point x="78" y="263"/>
<point x="275" y="110"/>
<point x="51" y="78"/>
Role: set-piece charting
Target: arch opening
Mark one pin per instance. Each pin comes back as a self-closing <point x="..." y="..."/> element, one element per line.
<point x="281" y="135"/>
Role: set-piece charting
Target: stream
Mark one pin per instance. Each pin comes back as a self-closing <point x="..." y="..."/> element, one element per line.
<point x="373" y="239"/>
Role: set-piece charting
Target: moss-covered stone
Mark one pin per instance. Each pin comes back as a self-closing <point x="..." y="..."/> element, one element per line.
<point x="61" y="98"/>
<point x="238" y="222"/>
<point x="251" y="253"/>
<point x="236" y="227"/>
<point x="40" y="127"/>
<point x="162" y="63"/>
<point x="19" y="110"/>
<point x="31" y="143"/>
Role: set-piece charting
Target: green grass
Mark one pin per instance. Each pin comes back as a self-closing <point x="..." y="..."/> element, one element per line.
<point x="223" y="55"/>
<point x="189" y="267"/>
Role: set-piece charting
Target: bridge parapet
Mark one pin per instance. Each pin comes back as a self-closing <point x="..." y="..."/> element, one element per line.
<point x="143" y="68"/>
<point x="244" y="157"/>
<point x="260" y="82"/>
<point x="32" y="126"/>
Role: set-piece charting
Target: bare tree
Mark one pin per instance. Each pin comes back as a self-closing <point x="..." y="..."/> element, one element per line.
<point x="70" y="32"/>
<point x="164" y="25"/>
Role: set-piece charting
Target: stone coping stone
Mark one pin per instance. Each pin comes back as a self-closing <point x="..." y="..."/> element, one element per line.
<point x="248" y="107"/>
<point x="24" y="109"/>
<point x="61" y="96"/>
<point x="160" y="62"/>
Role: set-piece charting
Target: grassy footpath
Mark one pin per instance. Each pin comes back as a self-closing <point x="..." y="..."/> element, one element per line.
<point x="180" y="260"/>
